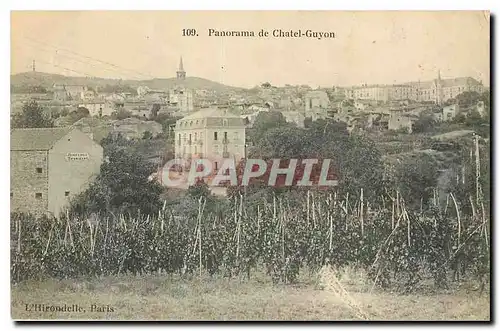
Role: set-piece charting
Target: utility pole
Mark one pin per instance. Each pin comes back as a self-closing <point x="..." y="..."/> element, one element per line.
<point x="245" y="152"/>
<point x="478" y="167"/>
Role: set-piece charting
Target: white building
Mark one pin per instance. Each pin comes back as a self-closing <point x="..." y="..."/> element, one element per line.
<point x="449" y="112"/>
<point x="210" y="133"/>
<point x="182" y="99"/>
<point x="98" y="108"/>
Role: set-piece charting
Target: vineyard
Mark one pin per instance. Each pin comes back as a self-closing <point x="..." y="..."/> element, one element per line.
<point x="400" y="247"/>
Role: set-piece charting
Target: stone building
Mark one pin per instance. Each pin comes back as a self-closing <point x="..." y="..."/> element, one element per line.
<point x="48" y="167"/>
<point x="65" y="92"/>
<point x="134" y="128"/>
<point x="211" y="133"/>
<point x="437" y="90"/>
<point x="449" y="112"/>
<point x="398" y="121"/>
<point x="181" y="99"/>
<point x="317" y="104"/>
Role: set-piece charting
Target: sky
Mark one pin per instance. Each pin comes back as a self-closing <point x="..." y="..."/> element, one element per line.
<point x="384" y="47"/>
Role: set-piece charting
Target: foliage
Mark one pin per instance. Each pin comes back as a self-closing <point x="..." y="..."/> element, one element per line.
<point x="122" y="186"/>
<point x="78" y="114"/>
<point x="467" y="99"/>
<point x="32" y="116"/>
<point x="400" y="249"/>
<point x="117" y="89"/>
<point x="265" y="121"/>
<point x="415" y="176"/>
<point x="424" y="123"/>
<point x="166" y="120"/>
<point x="355" y="158"/>
<point x="28" y="89"/>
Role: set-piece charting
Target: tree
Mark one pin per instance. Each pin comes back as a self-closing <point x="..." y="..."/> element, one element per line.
<point x="147" y="135"/>
<point x="31" y="116"/>
<point x="281" y="142"/>
<point x="358" y="163"/>
<point x="27" y="89"/>
<point x="485" y="96"/>
<point x="467" y="98"/>
<point x="123" y="186"/>
<point x="266" y="120"/>
<point x="78" y="114"/>
<point x="115" y="142"/>
<point x="166" y="121"/>
<point x="424" y="123"/>
<point x="198" y="190"/>
<point x="355" y="160"/>
<point x="415" y="176"/>
<point x="117" y="89"/>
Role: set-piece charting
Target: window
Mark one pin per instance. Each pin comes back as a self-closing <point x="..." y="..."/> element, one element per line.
<point x="66" y="194"/>
<point x="39" y="170"/>
<point x="225" y="135"/>
<point x="215" y="135"/>
<point x="216" y="166"/>
<point x="38" y="195"/>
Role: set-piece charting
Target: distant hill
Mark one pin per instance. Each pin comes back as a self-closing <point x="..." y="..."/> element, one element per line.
<point x="48" y="80"/>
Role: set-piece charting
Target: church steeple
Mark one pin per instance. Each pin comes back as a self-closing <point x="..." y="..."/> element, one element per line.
<point x="181" y="74"/>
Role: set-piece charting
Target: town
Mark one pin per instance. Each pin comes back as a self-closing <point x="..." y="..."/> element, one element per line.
<point x="225" y="165"/>
<point x="203" y="123"/>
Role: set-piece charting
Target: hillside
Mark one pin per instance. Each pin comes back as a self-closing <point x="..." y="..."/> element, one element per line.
<point x="47" y="80"/>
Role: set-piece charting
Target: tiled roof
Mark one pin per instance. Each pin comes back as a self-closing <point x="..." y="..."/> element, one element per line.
<point x="39" y="139"/>
<point x="317" y="93"/>
<point x="211" y="113"/>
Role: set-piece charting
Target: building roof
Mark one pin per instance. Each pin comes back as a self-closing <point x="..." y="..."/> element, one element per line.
<point x="90" y="121"/>
<point x="317" y="94"/>
<point x="127" y="121"/>
<point x="211" y="113"/>
<point x="39" y="139"/>
<point x="459" y="81"/>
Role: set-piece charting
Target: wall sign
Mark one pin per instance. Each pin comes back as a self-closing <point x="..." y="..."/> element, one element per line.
<point x="77" y="156"/>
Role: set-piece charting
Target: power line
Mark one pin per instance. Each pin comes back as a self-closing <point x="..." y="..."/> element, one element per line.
<point x="72" y="70"/>
<point x="58" y="66"/>
<point x="87" y="57"/>
<point x="79" y="60"/>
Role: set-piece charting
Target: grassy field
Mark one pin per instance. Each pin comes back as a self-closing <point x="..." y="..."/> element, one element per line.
<point x="326" y="296"/>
